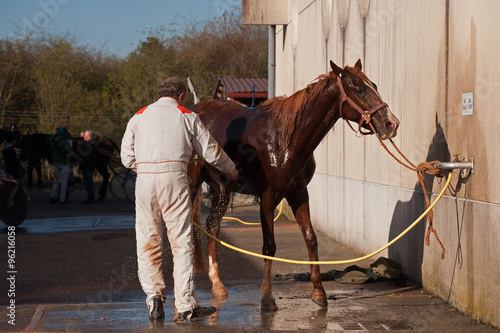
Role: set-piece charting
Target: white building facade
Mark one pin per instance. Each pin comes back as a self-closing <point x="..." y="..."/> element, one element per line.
<point x="424" y="55"/>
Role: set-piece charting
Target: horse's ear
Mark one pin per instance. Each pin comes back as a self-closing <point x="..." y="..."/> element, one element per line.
<point x="358" y="64"/>
<point x="337" y="70"/>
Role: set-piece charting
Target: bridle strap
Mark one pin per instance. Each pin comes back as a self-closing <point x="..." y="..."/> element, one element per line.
<point x="366" y="115"/>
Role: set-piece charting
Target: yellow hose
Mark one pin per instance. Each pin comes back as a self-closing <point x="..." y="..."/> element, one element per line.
<point x="338" y="262"/>
<point x="251" y="223"/>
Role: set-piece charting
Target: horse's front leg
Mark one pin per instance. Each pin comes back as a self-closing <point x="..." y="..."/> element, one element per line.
<point x="299" y="203"/>
<point x="267" y="206"/>
<point x="220" y="201"/>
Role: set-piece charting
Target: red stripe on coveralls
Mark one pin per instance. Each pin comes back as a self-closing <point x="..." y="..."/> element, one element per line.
<point x="183" y="109"/>
<point x="142" y="110"/>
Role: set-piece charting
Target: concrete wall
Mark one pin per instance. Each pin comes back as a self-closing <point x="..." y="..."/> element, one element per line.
<point x="423" y="55"/>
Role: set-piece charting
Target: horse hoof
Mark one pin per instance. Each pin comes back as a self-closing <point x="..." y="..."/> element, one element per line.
<point x="268" y="305"/>
<point x="219" y="293"/>
<point x="321" y="302"/>
<point x="318" y="296"/>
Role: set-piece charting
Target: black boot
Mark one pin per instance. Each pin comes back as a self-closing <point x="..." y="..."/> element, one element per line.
<point x="156" y="312"/>
<point x="195" y="313"/>
<point x="203" y="311"/>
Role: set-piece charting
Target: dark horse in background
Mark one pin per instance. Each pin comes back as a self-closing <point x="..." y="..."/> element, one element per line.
<point x="34" y="150"/>
<point x="34" y="147"/>
<point x="272" y="146"/>
<point x="11" y="130"/>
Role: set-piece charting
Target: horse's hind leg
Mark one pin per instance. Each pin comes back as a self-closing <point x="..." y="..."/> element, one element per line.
<point x="105" y="179"/>
<point x="267" y="205"/>
<point x="199" y="253"/>
<point x="220" y="201"/>
<point x="197" y="173"/>
<point x="38" y="167"/>
<point x="299" y="201"/>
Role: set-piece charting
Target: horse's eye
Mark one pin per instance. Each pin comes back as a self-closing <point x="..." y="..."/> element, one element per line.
<point x="359" y="90"/>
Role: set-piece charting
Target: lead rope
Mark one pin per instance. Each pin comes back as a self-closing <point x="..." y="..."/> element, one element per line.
<point x="427" y="167"/>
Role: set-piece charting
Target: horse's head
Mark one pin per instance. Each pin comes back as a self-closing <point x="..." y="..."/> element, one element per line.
<point x="11" y="132"/>
<point x="364" y="104"/>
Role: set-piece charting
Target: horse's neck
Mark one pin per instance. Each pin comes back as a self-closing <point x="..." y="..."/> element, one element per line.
<point x="315" y="125"/>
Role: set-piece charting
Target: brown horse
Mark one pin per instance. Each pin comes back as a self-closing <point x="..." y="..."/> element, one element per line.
<point x="272" y="146"/>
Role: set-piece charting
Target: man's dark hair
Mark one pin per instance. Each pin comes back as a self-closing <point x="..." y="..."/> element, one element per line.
<point x="172" y="87"/>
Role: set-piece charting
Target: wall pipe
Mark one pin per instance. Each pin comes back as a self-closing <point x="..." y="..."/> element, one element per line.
<point x="456" y="165"/>
<point x="271" y="61"/>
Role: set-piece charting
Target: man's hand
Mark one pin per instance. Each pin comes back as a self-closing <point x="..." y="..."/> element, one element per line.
<point x="233" y="175"/>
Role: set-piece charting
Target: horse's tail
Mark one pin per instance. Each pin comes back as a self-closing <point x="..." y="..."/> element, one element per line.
<point x="200" y="264"/>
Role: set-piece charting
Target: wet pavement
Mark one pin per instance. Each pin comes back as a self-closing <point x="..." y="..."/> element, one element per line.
<point x="350" y="309"/>
<point x="89" y="284"/>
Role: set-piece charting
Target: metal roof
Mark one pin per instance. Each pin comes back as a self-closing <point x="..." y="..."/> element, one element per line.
<point x="241" y="87"/>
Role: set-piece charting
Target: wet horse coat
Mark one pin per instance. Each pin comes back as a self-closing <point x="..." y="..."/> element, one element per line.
<point x="272" y="146"/>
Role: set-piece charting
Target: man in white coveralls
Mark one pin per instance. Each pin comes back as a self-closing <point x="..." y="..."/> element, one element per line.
<point x="158" y="144"/>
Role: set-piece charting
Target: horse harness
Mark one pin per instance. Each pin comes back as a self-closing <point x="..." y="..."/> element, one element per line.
<point x="366" y="115"/>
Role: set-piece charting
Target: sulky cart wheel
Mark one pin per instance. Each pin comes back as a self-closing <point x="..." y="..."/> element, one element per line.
<point x="14" y="212"/>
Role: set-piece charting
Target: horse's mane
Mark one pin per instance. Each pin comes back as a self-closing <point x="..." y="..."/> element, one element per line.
<point x="286" y="112"/>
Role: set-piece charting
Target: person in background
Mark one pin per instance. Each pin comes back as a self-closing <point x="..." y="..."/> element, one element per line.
<point x="158" y="143"/>
<point x="59" y="150"/>
<point x="12" y="164"/>
<point x="87" y="150"/>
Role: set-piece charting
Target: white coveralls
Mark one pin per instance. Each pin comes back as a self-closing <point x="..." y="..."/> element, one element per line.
<point x="158" y="143"/>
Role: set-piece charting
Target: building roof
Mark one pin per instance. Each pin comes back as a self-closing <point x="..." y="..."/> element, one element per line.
<point x="240" y="88"/>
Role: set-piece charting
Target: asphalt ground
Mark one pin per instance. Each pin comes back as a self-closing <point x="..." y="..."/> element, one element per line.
<point x="75" y="271"/>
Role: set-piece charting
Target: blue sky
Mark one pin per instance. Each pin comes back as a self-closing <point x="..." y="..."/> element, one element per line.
<point x="113" y="26"/>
